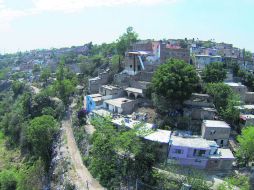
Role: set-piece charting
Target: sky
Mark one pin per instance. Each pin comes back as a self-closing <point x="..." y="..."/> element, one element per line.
<point x="38" y="24"/>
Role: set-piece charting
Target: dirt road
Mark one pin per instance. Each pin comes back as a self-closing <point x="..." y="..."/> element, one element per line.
<point x="86" y="180"/>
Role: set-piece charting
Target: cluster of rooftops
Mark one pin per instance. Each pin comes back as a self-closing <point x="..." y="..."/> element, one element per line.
<point x="209" y="150"/>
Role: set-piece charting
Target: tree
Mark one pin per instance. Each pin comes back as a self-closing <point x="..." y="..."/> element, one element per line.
<point x="125" y="40"/>
<point x="36" y="68"/>
<point x="64" y="90"/>
<point x="45" y="74"/>
<point x="245" y="152"/>
<point x="17" y="88"/>
<point x="40" y="134"/>
<point x="175" y="81"/>
<point x="8" y="180"/>
<point x="118" y="156"/>
<point x="220" y="93"/>
<point x="103" y="160"/>
<point x="214" y="72"/>
<point x="31" y="177"/>
<point x="64" y="87"/>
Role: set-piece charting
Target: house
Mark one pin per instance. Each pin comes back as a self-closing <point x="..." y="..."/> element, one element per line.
<point x="169" y="51"/>
<point x="160" y="139"/>
<point x="218" y="131"/>
<point x="134" y="92"/>
<point x="249" y="97"/>
<point x="109" y="90"/>
<point x="148" y="132"/>
<point x="120" y="105"/>
<point x="201" y="61"/>
<point x="94" y="84"/>
<point x="146" y="55"/>
<point x="245" y="109"/>
<point x="197" y="152"/>
<point x="97" y="98"/>
<point x="238" y="88"/>
<point x="199" y="107"/>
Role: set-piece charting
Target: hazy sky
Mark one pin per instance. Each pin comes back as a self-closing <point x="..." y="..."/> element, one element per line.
<point x="33" y="24"/>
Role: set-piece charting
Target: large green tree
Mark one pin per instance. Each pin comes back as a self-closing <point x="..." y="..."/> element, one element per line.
<point x="45" y="74"/>
<point x="175" y="81"/>
<point x="220" y="93"/>
<point x="125" y="40"/>
<point x="17" y="88"/>
<point x="214" y="72"/>
<point x="40" y="134"/>
<point x="118" y="156"/>
<point x="225" y="101"/>
<point x="245" y="152"/>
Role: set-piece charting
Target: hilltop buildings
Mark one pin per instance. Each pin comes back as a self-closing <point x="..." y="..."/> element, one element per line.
<point x="208" y="148"/>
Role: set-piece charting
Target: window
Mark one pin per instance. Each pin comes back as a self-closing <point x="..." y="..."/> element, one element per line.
<point x="199" y="152"/>
<point x="212" y="132"/>
<point x="178" y="151"/>
<point x="198" y="161"/>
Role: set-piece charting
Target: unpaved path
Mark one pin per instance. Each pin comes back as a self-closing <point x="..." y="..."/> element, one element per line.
<point x="85" y="178"/>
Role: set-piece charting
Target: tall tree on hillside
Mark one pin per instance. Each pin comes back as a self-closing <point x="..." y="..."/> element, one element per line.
<point x="118" y="156"/>
<point x="175" y="81"/>
<point x="125" y="40"/>
<point x="245" y="152"/>
<point x="214" y="72"/>
<point x="45" y="74"/>
<point x="220" y="93"/>
<point x="64" y="85"/>
<point x="40" y="133"/>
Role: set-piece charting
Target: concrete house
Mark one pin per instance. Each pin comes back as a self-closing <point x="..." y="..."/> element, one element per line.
<point x="238" y="88"/>
<point x="202" y="60"/>
<point x="218" y="131"/>
<point x="94" y="84"/>
<point x="120" y="105"/>
<point x="199" y="107"/>
<point x="245" y="109"/>
<point x="169" y="51"/>
<point x="159" y="138"/>
<point x="200" y="153"/>
<point x="249" y="97"/>
<point x="109" y="90"/>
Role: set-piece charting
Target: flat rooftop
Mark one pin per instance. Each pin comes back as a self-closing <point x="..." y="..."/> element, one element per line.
<point x="215" y="123"/>
<point x="110" y="87"/>
<point x="245" y="107"/>
<point x="139" y="53"/>
<point x="122" y="121"/>
<point x="94" y="79"/>
<point x="96" y="97"/>
<point x="158" y="135"/>
<point x="200" y="95"/>
<point x="214" y="56"/>
<point x="234" y="84"/>
<point x="224" y="154"/>
<point x="162" y="136"/>
<point x="135" y="90"/>
<point x="209" y="109"/>
<point x="118" y="102"/>
<point x="192" y="142"/>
